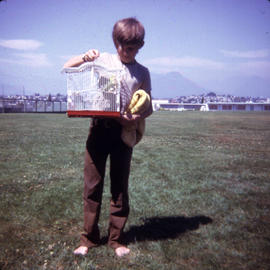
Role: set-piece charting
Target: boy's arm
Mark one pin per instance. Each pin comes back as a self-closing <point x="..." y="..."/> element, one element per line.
<point x="146" y="86"/>
<point x="76" y="61"/>
<point x="149" y="111"/>
<point x="126" y="119"/>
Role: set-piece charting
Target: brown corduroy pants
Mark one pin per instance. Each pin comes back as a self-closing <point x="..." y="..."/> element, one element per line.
<point x="105" y="140"/>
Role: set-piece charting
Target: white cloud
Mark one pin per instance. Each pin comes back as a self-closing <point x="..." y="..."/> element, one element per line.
<point x="184" y="62"/>
<point x="21" y="44"/>
<point x="28" y="59"/>
<point x="24" y="58"/>
<point x="66" y="57"/>
<point x="205" y="69"/>
<point x="246" y="54"/>
<point x="34" y="59"/>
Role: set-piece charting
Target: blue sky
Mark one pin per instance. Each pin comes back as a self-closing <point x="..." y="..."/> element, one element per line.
<point x="207" y="41"/>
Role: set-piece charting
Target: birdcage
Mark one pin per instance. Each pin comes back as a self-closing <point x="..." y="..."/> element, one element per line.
<point x="93" y="90"/>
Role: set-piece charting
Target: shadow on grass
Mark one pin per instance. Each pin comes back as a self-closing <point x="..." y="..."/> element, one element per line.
<point x="162" y="228"/>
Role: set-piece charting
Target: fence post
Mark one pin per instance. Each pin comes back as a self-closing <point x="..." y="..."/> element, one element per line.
<point x="3" y="104"/>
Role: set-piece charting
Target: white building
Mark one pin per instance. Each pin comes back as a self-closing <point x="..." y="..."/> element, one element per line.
<point x="156" y="103"/>
<point x="213" y="106"/>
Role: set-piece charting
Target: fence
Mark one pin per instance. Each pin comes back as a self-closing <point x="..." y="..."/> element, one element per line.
<point x="34" y="106"/>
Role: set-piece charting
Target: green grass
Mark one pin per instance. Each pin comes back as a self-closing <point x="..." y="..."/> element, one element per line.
<point x="199" y="193"/>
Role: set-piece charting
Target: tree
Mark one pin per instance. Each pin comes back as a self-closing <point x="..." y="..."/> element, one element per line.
<point x="211" y="94"/>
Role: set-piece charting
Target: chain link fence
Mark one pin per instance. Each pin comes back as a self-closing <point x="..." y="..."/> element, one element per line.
<point x="32" y="106"/>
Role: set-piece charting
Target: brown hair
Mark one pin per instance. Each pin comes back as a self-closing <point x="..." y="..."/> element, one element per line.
<point x="128" y="31"/>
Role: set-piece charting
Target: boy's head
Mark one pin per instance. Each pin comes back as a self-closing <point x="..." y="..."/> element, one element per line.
<point x="128" y="31"/>
<point x="128" y="37"/>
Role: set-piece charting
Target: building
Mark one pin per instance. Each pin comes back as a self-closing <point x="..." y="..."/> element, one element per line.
<point x="156" y="103"/>
<point x="212" y="106"/>
<point x="238" y="106"/>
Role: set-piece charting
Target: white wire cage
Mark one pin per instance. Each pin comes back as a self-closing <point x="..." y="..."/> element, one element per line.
<point x="93" y="90"/>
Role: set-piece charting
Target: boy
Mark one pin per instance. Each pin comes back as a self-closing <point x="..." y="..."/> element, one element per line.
<point x="105" y="140"/>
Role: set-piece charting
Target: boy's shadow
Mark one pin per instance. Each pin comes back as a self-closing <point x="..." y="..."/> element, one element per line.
<point x="161" y="228"/>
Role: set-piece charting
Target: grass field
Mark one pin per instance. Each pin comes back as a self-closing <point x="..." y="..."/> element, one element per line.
<point x="199" y="193"/>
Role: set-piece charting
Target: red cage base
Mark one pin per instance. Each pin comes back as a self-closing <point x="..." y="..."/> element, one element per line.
<point x="92" y="114"/>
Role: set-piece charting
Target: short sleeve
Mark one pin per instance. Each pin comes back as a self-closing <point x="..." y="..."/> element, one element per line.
<point x="146" y="84"/>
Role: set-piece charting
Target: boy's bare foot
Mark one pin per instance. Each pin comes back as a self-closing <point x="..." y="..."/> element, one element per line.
<point x="122" y="251"/>
<point x="82" y="250"/>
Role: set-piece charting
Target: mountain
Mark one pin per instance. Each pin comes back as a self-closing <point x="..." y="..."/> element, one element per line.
<point x="172" y="85"/>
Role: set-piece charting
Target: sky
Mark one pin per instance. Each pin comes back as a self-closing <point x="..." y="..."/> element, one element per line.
<point x="206" y="41"/>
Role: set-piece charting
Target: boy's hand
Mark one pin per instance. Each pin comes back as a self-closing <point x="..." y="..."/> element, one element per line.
<point x="76" y="61"/>
<point x="91" y="55"/>
<point x="128" y="119"/>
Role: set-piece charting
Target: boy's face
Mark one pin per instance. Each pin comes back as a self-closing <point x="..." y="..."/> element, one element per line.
<point x="127" y="53"/>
